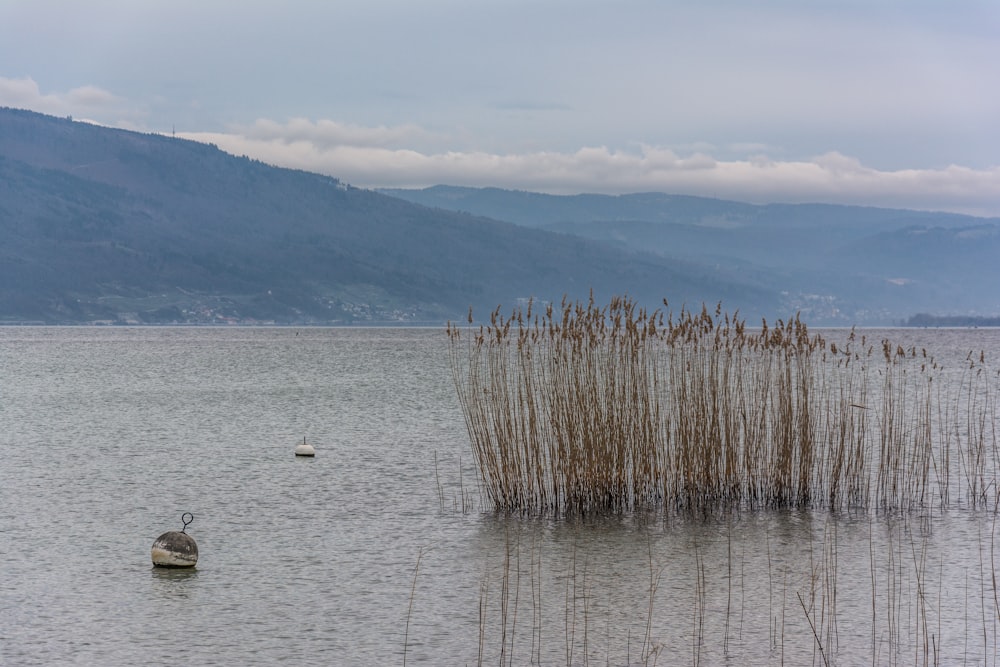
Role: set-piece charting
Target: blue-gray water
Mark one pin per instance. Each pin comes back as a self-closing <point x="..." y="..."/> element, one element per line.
<point x="107" y="435"/>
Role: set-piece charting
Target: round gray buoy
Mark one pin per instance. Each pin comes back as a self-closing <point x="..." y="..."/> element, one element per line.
<point x="305" y="449"/>
<point x="176" y="548"/>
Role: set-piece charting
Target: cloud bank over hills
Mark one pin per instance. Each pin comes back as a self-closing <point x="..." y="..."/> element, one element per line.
<point x="384" y="156"/>
<point x="886" y="104"/>
<point x="376" y="157"/>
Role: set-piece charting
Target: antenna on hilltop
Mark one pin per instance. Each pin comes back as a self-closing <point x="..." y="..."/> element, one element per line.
<point x="173" y="131"/>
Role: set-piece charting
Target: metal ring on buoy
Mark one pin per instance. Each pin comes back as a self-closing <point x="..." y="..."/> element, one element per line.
<point x="186" y="520"/>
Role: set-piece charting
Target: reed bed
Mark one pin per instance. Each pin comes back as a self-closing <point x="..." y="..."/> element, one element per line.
<point x="614" y="408"/>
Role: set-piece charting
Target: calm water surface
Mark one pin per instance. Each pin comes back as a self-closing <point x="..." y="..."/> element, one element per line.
<point x="378" y="550"/>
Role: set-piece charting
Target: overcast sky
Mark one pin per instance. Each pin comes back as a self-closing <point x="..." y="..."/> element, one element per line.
<point x="883" y="102"/>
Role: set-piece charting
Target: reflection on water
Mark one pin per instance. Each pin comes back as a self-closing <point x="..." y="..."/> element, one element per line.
<point x="174" y="584"/>
<point x="172" y="574"/>
<point x="107" y="435"/>
<point x="768" y="587"/>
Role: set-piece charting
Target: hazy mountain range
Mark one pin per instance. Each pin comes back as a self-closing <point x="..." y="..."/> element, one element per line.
<point x="837" y="264"/>
<point x="105" y="225"/>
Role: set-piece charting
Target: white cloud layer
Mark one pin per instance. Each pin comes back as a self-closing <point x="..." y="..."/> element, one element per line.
<point x="80" y="102"/>
<point x="409" y="155"/>
<point x="373" y="157"/>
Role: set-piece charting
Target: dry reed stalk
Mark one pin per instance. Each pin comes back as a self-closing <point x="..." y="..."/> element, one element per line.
<point x="919" y="565"/>
<point x="812" y="627"/>
<point x="874" y="578"/>
<point x="654" y="583"/>
<point x="698" y="631"/>
<point x="505" y="603"/>
<point x="536" y="602"/>
<point x="409" y="608"/>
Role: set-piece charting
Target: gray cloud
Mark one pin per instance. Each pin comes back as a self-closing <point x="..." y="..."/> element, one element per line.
<point x="81" y="102"/>
<point x="326" y="134"/>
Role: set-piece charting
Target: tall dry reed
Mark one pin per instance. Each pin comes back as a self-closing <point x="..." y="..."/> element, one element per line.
<point x="615" y="408"/>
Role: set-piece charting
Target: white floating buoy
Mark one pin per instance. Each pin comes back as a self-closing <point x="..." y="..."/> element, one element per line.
<point x="176" y="548"/>
<point x="305" y="449"/>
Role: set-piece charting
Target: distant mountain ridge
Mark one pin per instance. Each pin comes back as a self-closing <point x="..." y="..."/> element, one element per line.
<point x="837" y="264"/>
<point x="107" y="225"/>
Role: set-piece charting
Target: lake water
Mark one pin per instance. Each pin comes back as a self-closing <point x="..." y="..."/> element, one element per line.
<point x="378" y="551"/>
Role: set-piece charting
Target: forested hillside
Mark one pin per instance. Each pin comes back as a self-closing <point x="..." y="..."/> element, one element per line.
<point x="105" y="225"/>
